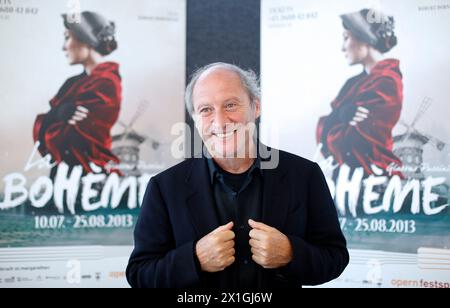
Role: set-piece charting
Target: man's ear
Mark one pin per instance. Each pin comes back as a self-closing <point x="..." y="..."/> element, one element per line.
<point x="257" y="108"/>
<point x="195" y="118"/>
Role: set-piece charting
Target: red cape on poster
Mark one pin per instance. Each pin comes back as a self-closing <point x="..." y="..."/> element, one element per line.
<point x="370" y="143"/>
<point x="89" y="141"/>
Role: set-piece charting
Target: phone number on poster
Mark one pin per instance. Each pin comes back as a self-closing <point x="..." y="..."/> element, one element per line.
<point x="83" y="221"/>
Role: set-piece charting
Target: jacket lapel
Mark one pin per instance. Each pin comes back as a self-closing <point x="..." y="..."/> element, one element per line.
<point x="201" y="205"/>
<point x="200" y="199"/>
<point x="275" y="196"/>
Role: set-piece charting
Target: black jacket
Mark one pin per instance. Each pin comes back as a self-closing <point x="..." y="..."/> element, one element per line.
<point x="178" y="210"/>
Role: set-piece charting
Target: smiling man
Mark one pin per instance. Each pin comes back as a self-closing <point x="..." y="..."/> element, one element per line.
<point x="233" y="218"/>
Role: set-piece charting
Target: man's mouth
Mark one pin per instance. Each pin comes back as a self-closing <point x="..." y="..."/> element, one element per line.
<point x="224" y="135"/>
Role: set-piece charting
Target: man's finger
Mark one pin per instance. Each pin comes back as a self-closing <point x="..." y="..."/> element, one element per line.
<point x="257" y="259"/>
<point x="72" y="122"/>
<point x="256" y="234"/>
<point x="223" y="237"/>
<point x="226" y="227"/>
<point x="228" y="245"/>
<point x="257" y="252"/>
<point x="258" y="225"/>
<point x="352" y="123"/>
<point x="254" y="243"/>
<point x="231" y="252"/>
<point x="231" y="260"/>
<point x="227" y="236"/>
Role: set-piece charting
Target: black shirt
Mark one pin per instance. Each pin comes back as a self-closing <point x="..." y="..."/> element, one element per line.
<point x="238" y="198"/>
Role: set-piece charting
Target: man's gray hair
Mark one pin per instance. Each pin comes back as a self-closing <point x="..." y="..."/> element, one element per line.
<point x="249" y="81"/>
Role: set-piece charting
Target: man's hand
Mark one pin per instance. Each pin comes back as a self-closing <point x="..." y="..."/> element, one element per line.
<point x="216" y="251"/>
<point x="270" y="247"/>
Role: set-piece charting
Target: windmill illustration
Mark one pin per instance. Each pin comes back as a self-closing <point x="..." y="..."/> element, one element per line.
<point x="126" y="145"/>
<point x="409" y="146"/>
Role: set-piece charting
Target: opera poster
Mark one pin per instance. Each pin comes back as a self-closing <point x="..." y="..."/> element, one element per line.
<point x="361" y="88"/>
<point x="89" y="92"/>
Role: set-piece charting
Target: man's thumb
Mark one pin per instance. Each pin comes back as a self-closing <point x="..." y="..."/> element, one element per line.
<point x="226" y="227"/>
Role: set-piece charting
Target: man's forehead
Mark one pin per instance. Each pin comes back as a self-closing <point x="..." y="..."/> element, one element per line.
<point x="218" y="81"/>
<point x="218" y="72"/>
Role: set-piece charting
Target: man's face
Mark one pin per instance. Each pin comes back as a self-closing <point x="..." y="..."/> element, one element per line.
<point x="223" y="112"/>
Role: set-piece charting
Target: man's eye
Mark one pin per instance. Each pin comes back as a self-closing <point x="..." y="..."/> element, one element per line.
<point x="231" y="105"/>
<point x="204" y="110"/>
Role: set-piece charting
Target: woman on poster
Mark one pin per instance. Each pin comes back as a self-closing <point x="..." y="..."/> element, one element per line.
<point x="77" y="129"/>
<point x="358" y="132"/>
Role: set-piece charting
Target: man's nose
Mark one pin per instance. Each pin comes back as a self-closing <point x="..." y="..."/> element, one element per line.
<point x="221" y="119"/>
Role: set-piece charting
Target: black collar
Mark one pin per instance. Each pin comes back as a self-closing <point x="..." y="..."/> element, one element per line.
<point x="214" y="169"/>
